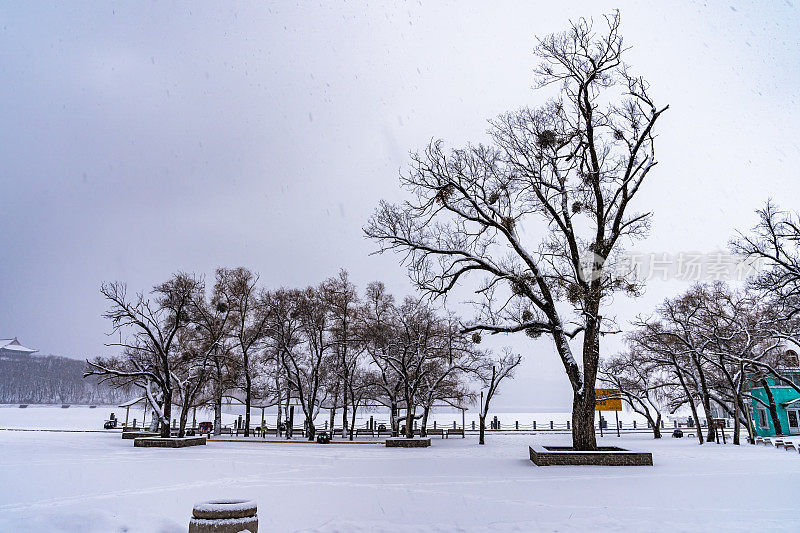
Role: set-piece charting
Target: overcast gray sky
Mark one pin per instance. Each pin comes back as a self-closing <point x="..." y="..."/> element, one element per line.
<point x="140" y="139"/>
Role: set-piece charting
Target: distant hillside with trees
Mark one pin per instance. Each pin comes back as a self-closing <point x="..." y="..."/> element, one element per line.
<point x="52" y="379"/>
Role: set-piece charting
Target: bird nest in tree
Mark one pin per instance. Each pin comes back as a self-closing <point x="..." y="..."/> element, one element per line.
<point x="546" y="138"/>
<point x="519" y="286"/>
<point x="574" y="293"/>
<point x="444" y="193"/>
<point x="533" y="333"/>
<point x="508" y="223"/>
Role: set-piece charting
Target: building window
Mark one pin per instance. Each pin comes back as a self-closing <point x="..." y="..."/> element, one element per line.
<point x="790" y="359"/>
<point x="762" y="418"/>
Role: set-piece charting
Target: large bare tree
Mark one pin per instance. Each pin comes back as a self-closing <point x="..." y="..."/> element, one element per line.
<point x="554" y="186"/>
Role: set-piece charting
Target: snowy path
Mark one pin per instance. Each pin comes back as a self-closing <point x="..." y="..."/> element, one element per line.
<point x="98" y="482"/>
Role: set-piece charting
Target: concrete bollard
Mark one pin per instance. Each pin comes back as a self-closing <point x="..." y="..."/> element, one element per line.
<point x="224" y="516"/>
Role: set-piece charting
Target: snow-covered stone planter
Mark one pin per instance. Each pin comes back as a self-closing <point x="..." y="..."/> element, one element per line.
<point x="604" y="456"/>
<point x="138" y="434"/>
<point x="224" y="516"/>
<point x="171" y="442"/>
<point x="402" y="442"/>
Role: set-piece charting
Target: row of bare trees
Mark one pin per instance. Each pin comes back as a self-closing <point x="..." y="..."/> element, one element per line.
<point x="707" y="348"/>
<point x="324" y="347"/>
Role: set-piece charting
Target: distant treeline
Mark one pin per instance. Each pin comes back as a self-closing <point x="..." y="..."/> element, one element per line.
<point x="52" y="379"/>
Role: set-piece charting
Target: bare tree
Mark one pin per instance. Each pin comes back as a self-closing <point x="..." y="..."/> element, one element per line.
<point x="641" y="383"/>
<point x="493" y="374"/>
<point x="447" y="374"/>
<point x="238" y="288"/>
<point x="341" y="298"/>
<point x="149" y="346"/>
<point x="190" y="373"/>
<point x="299" y="330"/>
<point x="677" y="335"/>
<point x="377" y="331"/>
<point x="211" y="319"/>
<point x="775" y="240"/>
<point x="566" y="172"/>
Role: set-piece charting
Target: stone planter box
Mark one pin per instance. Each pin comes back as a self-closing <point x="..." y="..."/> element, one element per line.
<point x="224" y="516"/>
<point x="172" y="442"/>
<point x="402" y="442"/>
<point x="604" y="456"/>
<point x="138" y="434"/>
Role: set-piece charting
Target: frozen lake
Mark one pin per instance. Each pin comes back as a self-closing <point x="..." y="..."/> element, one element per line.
<point x="99" y="483"/>
<point x="84" y="418"/>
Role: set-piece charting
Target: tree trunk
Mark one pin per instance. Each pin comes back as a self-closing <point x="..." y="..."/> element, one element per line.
<point x="394" y="421"/>
<point x="409" y="422"/>
<point x="218" y="415"/>
<point x="334" y="407"/>
<point x="353" y="412"/>
<point x="167" y="408"/>
<point x="423" y="432"/>
<point x="310" y="428"/>
<point x="182" y="421"/>
<point x="482" y="424"/>
<point x="773" y="411"/>
<point x="345" y="432"/>
<point x="689" y="399"/>
<point x="706" y="398"/>
<point x="155" y="423"/>
<point x="656" y="427"/>
<point x="247" y="401"/>
<point x="332" y="418"/>
<point x="279" y="419"/>
<point x="583" y="435"/>
<point x="583" y="400"/>
<point x="712" y="432"/>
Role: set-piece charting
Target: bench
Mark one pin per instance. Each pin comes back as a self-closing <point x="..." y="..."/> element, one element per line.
<point x="435" y="431"/>
<point x="759" y="440"/>
<point x="226" y="431"/>
<point x="767" y="442"/>
<point x="779" y="444"/>
<point x="361" y="431"/>
<point x="455" y="432"/>
<point x="789" y="447"/>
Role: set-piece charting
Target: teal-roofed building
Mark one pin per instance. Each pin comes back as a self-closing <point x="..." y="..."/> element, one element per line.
<point x="787" y="399"/>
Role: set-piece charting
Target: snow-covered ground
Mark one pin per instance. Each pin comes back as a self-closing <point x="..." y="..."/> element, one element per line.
<point x="98" y="482"/>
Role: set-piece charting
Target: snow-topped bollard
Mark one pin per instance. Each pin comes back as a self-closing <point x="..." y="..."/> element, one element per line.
<point x="224" y="516"/>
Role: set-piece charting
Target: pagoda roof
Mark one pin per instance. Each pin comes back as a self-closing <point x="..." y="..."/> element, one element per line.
<point x="13" y="345"/>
